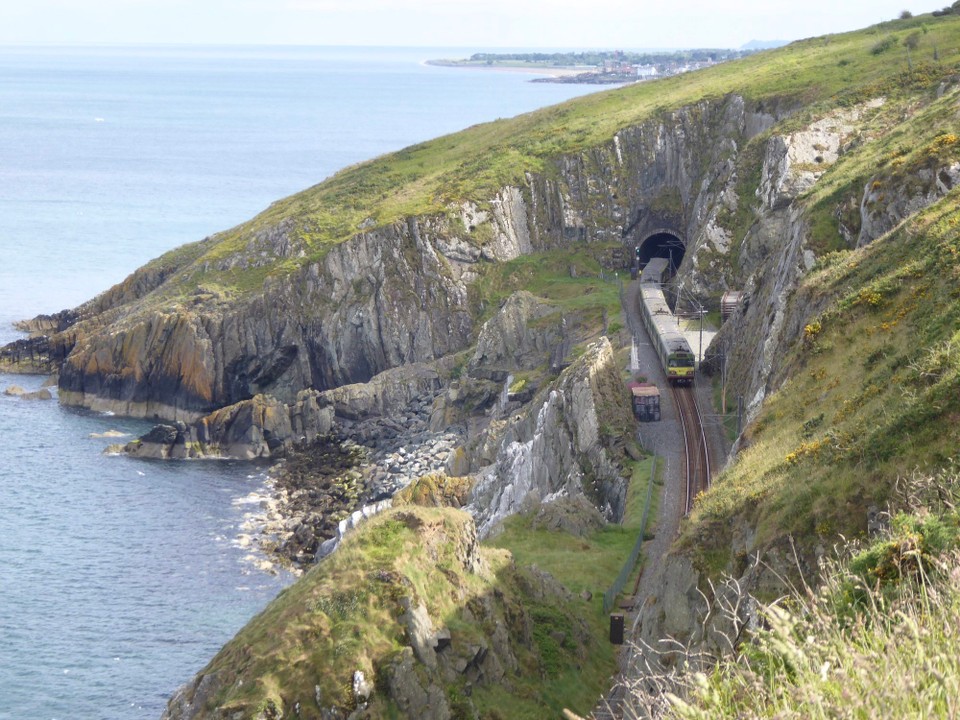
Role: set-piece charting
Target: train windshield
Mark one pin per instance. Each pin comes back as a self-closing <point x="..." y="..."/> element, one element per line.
<point x="680" y="361"/>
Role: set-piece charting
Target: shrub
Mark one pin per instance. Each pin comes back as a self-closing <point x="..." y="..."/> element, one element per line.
<point x="881" y="46"/>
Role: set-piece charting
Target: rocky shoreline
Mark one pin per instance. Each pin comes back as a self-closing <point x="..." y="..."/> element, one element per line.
<point x="319" y="484"/>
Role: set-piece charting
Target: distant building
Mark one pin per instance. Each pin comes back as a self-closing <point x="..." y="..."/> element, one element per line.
<point x="645" y="72"/>
<point x="618" y="67"/>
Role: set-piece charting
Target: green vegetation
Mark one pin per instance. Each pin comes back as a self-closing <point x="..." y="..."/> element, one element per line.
<point x="890" y="155"/>
<point x="726" y="410"/>
<point x="588" y="296"/>
<point x="347" y="614"/>
<point x="581" y="563"/>
<point x="588" y="563"/>
<point x="433" y="177"/>
<point x="871" y="396"/>
<point x="877" y="638"/>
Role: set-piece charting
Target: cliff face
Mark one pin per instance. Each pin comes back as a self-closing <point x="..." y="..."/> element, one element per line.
<point x="389" y="296"/>
<point x="385" y="299"/>
<point x="850" y="165"/>
<point x="780" y="246"/>
<point x="673" y="174"/>
<point x="553" y="448"/>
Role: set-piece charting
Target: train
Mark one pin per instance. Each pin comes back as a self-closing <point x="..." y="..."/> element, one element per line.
<point x="676" y="357"/>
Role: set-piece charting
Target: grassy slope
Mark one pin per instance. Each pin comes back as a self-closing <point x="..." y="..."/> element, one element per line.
<point x="547" y="275"/>
<point x="872" y="395"/>
<point x="475" y="163"/>
<point x="589" y="563"/>
<point x="877" y="637"/>
<point x="854" y="415"/>
<point x="343" y="615"/>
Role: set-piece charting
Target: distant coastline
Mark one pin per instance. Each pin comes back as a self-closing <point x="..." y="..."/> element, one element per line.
<point x="572" y="74"/>
<point x="596" y="67"/>
<point x="530" y="68"/>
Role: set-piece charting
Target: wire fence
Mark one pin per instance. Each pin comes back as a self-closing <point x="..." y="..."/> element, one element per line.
<point x="610" y="596"/>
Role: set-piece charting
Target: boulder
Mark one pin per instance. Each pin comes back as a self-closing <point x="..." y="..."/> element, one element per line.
<point x="385" y="394"/>
<point x="262" y="427"/>
<point x="420" y="632"/>
<point x="416" y="697"/>
<point x="573" y="515"/>
<point x="41" y="394"/>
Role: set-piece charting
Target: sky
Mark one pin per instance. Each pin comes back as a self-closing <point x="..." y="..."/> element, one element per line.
<point x="564" y="24"/>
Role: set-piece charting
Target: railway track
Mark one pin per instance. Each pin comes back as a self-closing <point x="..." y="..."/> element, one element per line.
<point x="695" y="450"/>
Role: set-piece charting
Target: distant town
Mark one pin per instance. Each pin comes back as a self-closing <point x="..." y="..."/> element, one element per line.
<point x="603" y="67"/>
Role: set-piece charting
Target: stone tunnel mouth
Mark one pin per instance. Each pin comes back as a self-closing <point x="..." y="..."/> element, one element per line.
<point x="661" y="244"/>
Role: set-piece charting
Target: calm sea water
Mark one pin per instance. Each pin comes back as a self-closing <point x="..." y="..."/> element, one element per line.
<point x="119" y="579"/>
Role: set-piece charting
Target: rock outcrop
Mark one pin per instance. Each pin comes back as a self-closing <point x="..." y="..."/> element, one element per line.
<point x="259" y="428"/>
<point x="477" y="633"/>
<point x="17" y="391"/>
<point x="384" y="299"/>
<point x="554" y="447"/>
<point x="518" y="337"/>
<point x="777" y="249"/>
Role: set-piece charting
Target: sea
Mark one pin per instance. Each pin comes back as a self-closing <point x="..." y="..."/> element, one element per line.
<point x="119" y="578"/>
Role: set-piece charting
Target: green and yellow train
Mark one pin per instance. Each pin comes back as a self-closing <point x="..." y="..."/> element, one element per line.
<point x="676" y="357"/>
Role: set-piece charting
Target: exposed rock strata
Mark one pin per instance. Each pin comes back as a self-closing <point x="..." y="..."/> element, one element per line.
<point x="775" y="252"/>
<point x="508" y="343"/>
<point x="384" y="299"/>
<point x="554" y="448"/>
<point x="391" y="295"/>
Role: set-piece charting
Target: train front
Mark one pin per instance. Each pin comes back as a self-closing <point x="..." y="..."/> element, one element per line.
<point x="681" y="362"/>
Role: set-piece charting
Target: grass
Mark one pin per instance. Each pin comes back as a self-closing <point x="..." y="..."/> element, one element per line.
<point x="433" y="177"/>
<point x="346" y="615"/>
<point x="547" y="275"/>
<point x="872" y="394"/>
<point x="875" y="638"/>
<point x="588" y="563"/>
<point x="898" y="142"/>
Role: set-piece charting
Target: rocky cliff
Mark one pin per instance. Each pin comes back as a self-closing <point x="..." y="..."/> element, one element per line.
<point x="554" y="448"/>
<point x="410" y="305"/>
<point x="176" y="341"/>
<point x="839" y="180"/>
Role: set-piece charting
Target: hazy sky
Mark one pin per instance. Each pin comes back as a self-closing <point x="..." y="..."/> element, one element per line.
<point x="444" y="23"/>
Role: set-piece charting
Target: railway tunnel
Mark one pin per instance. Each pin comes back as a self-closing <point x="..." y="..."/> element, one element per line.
<point x="661" y="243"/>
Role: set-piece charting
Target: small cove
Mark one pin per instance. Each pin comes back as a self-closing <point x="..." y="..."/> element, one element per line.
<point x="119" y="579"/>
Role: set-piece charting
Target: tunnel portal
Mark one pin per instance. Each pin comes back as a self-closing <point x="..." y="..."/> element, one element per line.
<point x="662" y="244"/>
